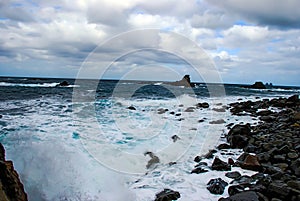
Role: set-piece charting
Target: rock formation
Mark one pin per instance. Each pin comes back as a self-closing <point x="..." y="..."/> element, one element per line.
<point x="11" y="188"/>
<point x="185" y="81"/>
<point x="258" y="85"/>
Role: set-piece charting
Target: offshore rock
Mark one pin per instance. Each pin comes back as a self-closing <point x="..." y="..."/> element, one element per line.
<point x="11" y="188"/>
<point x="63" y="84"/>
<point x="258" y="85"/>
<point x="185" y="81"/>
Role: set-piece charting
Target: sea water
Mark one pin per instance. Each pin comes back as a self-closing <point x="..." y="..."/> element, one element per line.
<point x="92" y="147"/>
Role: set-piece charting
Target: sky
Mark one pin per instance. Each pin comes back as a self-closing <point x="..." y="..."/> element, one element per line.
<point x="240" y="41"/>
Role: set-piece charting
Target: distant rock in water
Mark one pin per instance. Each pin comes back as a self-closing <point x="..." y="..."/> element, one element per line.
<point x="185" y="81"/>
<point x="258" y="85"/>
<point x="63" y="84"/>
<point x="11" y="186"/>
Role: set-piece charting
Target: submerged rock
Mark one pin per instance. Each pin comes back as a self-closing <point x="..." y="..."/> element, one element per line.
<point x="11" y="186"/>
<point x="167" y="195"/>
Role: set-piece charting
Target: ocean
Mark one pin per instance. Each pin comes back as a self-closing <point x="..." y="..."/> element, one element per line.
<point x="87" y="140"/>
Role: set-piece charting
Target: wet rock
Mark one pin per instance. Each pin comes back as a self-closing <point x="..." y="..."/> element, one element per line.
<point x="175" y="138"/>
<point x="11" y="186"/>
<point x="197" y="159"/>
<point x="189" y="109"/>
<point x="233" y="175"/>
<point x="167" y="195"/>
<point x="295" y="166"/>
<point x="201" y="120"/>
<point x="293" y="155"/>
<point x="220" y="165"/>
<point x="210" y="154"/>
<point x="245" y="179"/>
<point x="278" y="189"/>
<point x="219" y="109"/>
<point x="219" y="121"/>
<point x="297" y="116"/>
<point x="238" y="141"/>
<point x="162" y="111"/>
<point x="223" y="146"/>
<point x="202" y="105"/>
<point x="238" y="136"/>
<point x="217" y="186"/>
<point x="199" y="170"/>
<point x="243" y="196"/>
<point x="131" y="108"/>
<point x="294" y="184"/>
<point x="249" y="162"/>
<point x="154" y="159"/>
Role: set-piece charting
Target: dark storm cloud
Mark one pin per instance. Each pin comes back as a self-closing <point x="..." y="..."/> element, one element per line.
<point x="277" y="13"/>
<point x="14" y="12"/>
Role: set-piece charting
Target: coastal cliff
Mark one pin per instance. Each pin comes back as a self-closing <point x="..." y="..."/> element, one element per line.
<point x="11" y="188"/>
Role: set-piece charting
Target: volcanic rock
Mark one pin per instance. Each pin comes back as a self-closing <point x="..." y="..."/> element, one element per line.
<point x="217" y="186"/>
<point x="11" y="186"/>
<point x="167" y="195"/>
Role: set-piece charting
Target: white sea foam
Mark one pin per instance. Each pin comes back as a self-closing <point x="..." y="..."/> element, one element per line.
<point x="53" y="84"/>
<point x="49" y="147"/>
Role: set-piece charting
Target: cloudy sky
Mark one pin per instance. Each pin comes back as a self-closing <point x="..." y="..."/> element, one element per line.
<point x="257" y="40"/>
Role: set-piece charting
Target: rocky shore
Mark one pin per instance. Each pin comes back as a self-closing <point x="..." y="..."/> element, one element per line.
<point x="11" y="188"/>
<point x="270" y="147"/>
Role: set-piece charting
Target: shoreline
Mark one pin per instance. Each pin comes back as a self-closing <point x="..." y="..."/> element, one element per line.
<point x="270" y="149"/>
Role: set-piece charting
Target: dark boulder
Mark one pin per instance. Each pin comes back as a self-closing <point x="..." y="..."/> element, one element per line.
<point x="202" y="105"/>
<point x="131" y="108"/>
<point x="167" y="195"/>
<point x="199" y="170"/>
<point x="233" y="175"/>
<point x="217" y="186"/>
<point x="249" y="162"/>
<point x="220" y="165"/>
<point x="295" y="166"/>
<point x="238" y="136"/>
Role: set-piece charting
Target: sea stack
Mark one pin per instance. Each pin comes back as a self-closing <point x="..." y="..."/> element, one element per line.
<point x="185" y="81"/>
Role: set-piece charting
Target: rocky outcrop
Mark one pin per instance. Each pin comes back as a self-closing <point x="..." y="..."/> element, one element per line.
<point x="11" y="188"/>
<point x="63" y="84"/>
<point x="185" y="81"/>
<point x="258" y="85"/>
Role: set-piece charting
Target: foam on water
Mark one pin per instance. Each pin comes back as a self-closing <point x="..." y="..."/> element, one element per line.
<point x="53" y="84"/>
<point x="55" y="165"/>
